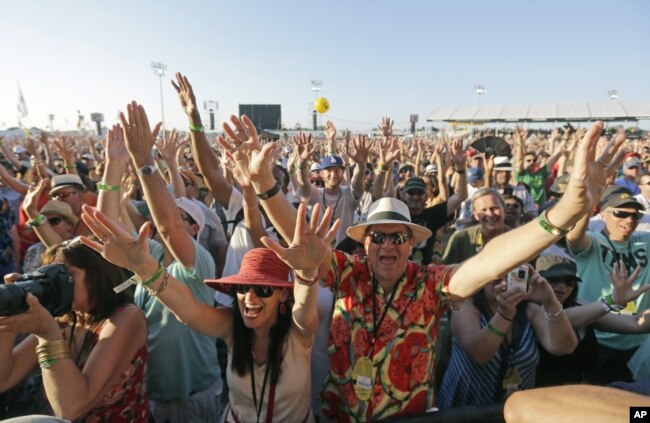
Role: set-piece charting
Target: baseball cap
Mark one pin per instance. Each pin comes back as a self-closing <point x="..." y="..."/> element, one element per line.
<point x="474" y="174"/>
<point x="415" y="183"/>
<point x="332" y="161"/>
<point x="616" y="196"/>
<point x="315" y="167"/>
<point x="551" y="266"/>
<point x="632" y="162"/>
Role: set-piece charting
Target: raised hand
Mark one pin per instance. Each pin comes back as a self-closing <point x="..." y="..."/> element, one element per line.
<point x="304" y="146"/>
<point x="115" y="146"/>
<point x="362" y="145"/>
<point x="459" y="157"/>
<point x="185" y="94"/>
<point x="30" y="146"/>
<point x="386" y="127"/>
<point x="622" y="284"/>
<point x="30" y="203"/>
<point x="169" y="146"/>
<point x="387" y="150"/>
<point x="246" y="151"/>
<point x="311" y="241"/>
<point x="330" y="131"/>
<point x="521" y="135"/>
<point x="137" y="133"/>
<point x="116" y="244"/>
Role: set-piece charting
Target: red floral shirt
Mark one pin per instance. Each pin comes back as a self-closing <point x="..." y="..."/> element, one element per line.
<point x="404" y="345"/>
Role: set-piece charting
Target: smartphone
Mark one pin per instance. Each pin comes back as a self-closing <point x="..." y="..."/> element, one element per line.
<point x="518" y="277"/>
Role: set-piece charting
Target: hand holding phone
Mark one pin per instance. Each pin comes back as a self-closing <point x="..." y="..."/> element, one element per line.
<point x="518" y="277"/>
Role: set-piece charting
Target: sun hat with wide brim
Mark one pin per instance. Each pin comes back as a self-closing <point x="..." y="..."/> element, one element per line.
<point x="389" y="210"/>
<point x="260" y="266"/>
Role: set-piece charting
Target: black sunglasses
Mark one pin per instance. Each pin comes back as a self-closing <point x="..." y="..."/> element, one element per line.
<point x="54" y="220"/>
<point x="261" y="291"/>
<point x="396" y="238"/>
<point x="620" y="214"/>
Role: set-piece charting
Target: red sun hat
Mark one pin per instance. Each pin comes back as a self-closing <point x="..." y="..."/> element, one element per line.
<point x="260" y="266"/>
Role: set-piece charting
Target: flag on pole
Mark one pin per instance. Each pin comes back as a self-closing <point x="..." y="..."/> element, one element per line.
<point x="22" y="107"/>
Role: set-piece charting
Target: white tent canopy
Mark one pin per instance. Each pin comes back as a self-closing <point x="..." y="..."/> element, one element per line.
<point x="571" y="112"/>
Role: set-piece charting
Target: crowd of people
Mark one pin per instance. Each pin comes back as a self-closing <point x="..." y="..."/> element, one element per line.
<point x="349" y="278"/>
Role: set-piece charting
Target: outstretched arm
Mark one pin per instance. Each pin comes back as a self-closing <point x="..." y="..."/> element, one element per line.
<point x="206" y="160"/>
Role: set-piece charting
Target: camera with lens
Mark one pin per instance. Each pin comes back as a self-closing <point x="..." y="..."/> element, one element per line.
<point x="52" y="285"/>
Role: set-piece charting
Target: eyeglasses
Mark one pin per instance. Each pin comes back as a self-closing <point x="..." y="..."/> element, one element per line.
<point x="620" y="214"/>
<point x="261" y="291"/>
<point x="513" y="205"/>
<point x="568" y="282"/>
<point x="406" y="169"/>
<point x="396" y="238"/>
<point x="63" y="195"/>
<point x="415" y="192"/>
<point x="54" y="220"/>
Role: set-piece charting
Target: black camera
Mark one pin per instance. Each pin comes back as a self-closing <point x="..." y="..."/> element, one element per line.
<point x="52" y="285"/>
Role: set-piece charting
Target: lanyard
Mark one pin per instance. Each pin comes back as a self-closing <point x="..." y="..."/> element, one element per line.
<point x="616" y="254"/>
<point x="376" y="324"/>
<point x="336" y="205"/>
<point x="258" y="409"/>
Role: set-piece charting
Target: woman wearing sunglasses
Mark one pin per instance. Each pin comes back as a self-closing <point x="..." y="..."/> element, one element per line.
<point x="579" y="366"/>
<point x="270" y="330"/>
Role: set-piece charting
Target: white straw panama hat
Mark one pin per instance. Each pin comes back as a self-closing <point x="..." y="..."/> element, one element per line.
<point x="388" y="210"/>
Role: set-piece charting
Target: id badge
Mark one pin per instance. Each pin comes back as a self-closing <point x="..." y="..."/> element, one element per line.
<point x="362" y="374"/>
<point x="511" y="380"/>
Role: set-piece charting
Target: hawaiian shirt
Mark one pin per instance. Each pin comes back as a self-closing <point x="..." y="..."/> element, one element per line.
<point x="402" y="349"/>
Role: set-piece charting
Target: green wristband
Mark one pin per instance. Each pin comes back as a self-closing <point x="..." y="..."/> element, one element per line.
<point x="105" y="187"/>
<point x="155" y="276"/>
<point x="39" y="221"/>
<point x="495" y="331"/>
<point x="195" y="128"/>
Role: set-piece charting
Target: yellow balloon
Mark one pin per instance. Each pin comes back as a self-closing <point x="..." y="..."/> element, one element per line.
<point x="321" y="105"/>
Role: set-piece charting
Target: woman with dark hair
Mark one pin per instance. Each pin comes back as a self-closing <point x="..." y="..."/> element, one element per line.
<point x="494" y="343"/>
<point x="270" y="329"/>
<point x="93" y="358"/>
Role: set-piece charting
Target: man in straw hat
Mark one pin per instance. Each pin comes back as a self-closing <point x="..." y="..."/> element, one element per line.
<point x="387" y="309"/>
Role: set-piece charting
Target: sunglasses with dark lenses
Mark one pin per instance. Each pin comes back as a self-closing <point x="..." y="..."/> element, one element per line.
<point x="261" y="291"/>
<point x="620" y="214"/>
<point x="54" y="220"/>
<point x="406" y="169"/>
<point x="396" y="238"/>
<point x="568" y="282"/>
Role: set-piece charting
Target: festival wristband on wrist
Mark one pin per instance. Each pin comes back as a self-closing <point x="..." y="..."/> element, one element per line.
<point x="196" y="128"/>
<point x="40" y="220"/>
<point x="270" y="193"/>
<point x="105" y="187"/>
<point x="495" y="331"/>
<point x="547" y="226"/>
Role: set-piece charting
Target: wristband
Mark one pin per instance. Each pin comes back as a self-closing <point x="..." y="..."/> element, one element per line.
<point x="553" y="317"/>
<point x="105" y="187"/>
<point x="305" y="282"/>
<point x="270" y="193"/>
<point x="39" y="221"/>
<point x="495" y="331"/>
<point x="544" y="223"/>
<point x="155" y="276"/>
<point x="69" y="167"/>
<point x="162" y="286"/>
<point x="381" y="168"/>
<point x="195" y="128"/>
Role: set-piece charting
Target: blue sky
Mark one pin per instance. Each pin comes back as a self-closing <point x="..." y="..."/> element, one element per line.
<point x="375" y="58"/>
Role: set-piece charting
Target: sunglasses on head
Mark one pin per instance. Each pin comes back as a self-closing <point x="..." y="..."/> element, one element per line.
<point x="620" y="214"/>
<point x="261" y="291"/>
<point x="396" y="238"/>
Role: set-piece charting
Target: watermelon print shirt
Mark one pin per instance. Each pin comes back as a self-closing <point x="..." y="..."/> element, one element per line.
<point x="403" y="352"/>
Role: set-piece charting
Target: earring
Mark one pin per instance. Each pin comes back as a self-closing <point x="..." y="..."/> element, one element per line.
<point x="283" y="308"/>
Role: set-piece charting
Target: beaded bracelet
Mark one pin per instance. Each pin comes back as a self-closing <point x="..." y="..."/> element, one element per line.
<point x="495" y="331"/>
<point x="105" y="187"/>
